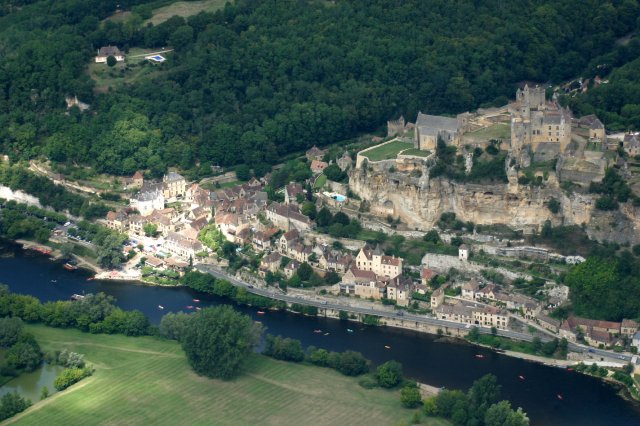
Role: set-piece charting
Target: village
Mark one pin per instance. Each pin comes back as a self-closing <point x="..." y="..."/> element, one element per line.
<point x="173" y="224"/>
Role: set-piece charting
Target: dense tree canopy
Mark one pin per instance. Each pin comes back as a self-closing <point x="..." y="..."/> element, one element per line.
<point x="260" y="79"/>
<point x="218" y="340"/>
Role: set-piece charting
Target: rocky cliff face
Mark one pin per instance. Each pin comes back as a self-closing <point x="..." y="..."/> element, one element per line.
<point x="420" y="201"/>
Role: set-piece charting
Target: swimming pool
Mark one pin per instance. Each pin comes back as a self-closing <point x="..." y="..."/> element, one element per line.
<point x="340" y="198"/>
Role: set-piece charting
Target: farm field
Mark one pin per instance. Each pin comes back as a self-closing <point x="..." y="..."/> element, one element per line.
<point x="388" y="151"/>
<point x="146" y="380"/>
<point x="185" y="9"/>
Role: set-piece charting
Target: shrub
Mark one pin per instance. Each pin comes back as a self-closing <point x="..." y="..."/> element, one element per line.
<point x="285" y="349"/>
<point x="71" y="376"/>
<point x="389" y="374"/>
<point x="410" y="397"/>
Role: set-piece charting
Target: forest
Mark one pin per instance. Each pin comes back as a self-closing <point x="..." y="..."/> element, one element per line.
<point x="261" y="79"/>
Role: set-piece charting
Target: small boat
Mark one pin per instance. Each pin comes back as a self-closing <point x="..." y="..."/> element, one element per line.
<point x="560" y="397"/>
<point x="69" y="267"/>
<point x="317" y="331"/>
<point x="77" y="297"/>
<point x="349" y="330"/>
<point x="480" y="356"/>
<point x="521" y="377"/>
<point x="387" y="347"/>
<point x="90" y="279"/>
<point x="569" y="369"/>
<point x="160" y="307"/>
<point x="198" y="308"/>
<point x="260" y="312"/>
<point x="326" y="334"/>
<point x="189" y="307"/>
<point x="196" y="300"/>
<point x="54" y="281"/>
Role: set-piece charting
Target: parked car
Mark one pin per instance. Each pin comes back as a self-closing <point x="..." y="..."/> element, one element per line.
<point x="399" y="313"/>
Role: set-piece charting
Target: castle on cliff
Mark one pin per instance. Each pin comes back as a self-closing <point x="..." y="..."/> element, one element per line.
<point x="541" y="127"/>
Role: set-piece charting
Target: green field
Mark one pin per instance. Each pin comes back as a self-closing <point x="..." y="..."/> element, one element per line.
<point x="320" y="181"/>
<point x="146" y="381"/>
<point x="388" y="151"/>
<point x="185" y="8"/>
<point x="496" y="131"/>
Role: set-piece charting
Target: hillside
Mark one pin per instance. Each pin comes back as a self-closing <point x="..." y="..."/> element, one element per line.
<point x="259" y="79"/>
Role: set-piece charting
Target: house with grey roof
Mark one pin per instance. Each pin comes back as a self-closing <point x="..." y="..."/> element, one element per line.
<point x="430" y="128"/>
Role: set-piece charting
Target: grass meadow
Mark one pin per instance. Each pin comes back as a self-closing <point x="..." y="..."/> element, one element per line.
<point x="146" y="381"/>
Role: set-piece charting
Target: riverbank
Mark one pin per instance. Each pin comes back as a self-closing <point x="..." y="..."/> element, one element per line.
<point x="51" y="249"/>
<point x="398" y="322"/>
<point x="149" y="381"/>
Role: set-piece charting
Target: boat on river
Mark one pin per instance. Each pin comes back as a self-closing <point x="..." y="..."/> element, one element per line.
<point x="160" y="307"/>
<point x="196" y="300"/>
<point x="349" y="330"/>
<point x="479" y="356"/>
<point x="260" y="312"/>
<point x="69" y="266"/>
<point x="317" y="331"/>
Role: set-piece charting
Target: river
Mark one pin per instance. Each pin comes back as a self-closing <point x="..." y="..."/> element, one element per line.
<point x="585" y="400"/>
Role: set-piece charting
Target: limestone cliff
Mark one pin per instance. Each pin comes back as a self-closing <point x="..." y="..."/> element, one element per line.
<point x="419" y="202"/>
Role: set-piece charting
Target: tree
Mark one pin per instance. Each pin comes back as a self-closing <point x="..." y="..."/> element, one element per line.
<point x="150" y="229"/>
<point x="285" y="349"/>
<point x="324" y="217"/>
<point x="432" y="237"/>
<point x="44" y="393"/>
<point x="110" y="251"/>
<point x="350" y="363"/>
<point x="410" y="397"/>
<point x="173" y="325"/>
<point x="218" y="340"/>
<point x="12" y="403"/>
<point x="25" y="355"/>
<point x="473" y="334"/>
<point x="243" y="172"/>
<point x="10" y="331"/>
<point x="501" y="414"/>
<point x="483" y="393"/>
<point x="430" y="407"/>
<point x="111" y="61"/>
<point x="553" y="205"/>
<point x="304" y="271"/>
<point x="389" y="374"/>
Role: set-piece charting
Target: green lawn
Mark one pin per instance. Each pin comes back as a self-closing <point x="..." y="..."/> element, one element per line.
<point x="388" y="151"/>
<point x="320" y="181"/>
<point x="185" y="9"/>
<point x="495" y="131"/>
<point x="148" y="381"/>
<point x="417" y="152"/>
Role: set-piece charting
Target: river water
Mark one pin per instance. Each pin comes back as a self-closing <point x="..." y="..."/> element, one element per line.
<point x="585" y="400"/>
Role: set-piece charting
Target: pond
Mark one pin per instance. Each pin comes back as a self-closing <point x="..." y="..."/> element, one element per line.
<point x="30" y="385"/>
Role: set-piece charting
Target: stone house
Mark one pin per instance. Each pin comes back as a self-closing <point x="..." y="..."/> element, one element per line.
<point x="299" y="252"/>
<point x="437" y="297"/>
<point x="344" y="162"/>
<point x="287" y="240"/>
<point x="291" y="268"/>
<point x="271" y="262"/>
<point x="628" y="327"/>
<point x="400" y="289"/>
<point x="594" y="126"/>
<point x="318" y="167"/>
<point x="631" y="144"/>
<point x="106" y="51"/>
<point x="430" y="128"/>
<point x="154" y="262"/>
<point x="488" y="292"/>
<point x="118" y="221"/>
<point x="334" y="262"/>
<point x="456" y="313"/>
<point x="174" y="185"/>
<point x="291" y="192"/>
<point x="426" y="275"/>
<point x="181" y="246"/>
<point x="490" y="316"/>
<point x="463" y="252"/>
<point x="287" y="217"/>
<point x="469" y="290"/>
<point x="362" y="283"/>
<point x="260" y="241"/>
<point x="370" y="259"/>
<point x="548" y="323"/>
<point x="314" y="153"/>
<point x="635" y="341"/>
<point x="149" y="198"/>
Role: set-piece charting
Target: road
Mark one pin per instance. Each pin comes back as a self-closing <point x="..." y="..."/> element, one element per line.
<point x="423" y="319"/>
